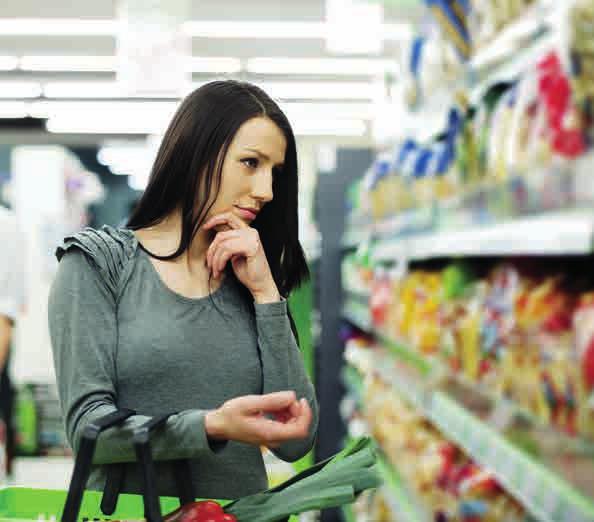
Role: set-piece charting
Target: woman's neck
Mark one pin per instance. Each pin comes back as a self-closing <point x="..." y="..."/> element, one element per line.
<point x="164" y="238"/>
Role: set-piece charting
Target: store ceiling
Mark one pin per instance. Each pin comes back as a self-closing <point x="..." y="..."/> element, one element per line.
<point x="397" y="16"/>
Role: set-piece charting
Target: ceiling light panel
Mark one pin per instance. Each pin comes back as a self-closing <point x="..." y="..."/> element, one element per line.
<point x="13" y="109"/>
<point x="320" y="66"/>
<point x="8" y="63"/>
<point x="319" y="90"/>
<point x="80" y="125"/>
<point x="279" y="29"/>
<point x="68" y="63"/>
<point x="295" y="110"/>
<point x="10" y="89"/>
<point x="203" y="29"/>
<point x="210" y="64"/>
<point x="57" y="27"/>
<point x="93" y="90"/>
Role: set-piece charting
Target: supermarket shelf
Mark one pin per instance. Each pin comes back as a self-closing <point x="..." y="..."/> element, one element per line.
<point x="352" y="381"/>
<point x="548" y="497"/>
<point x="546" y="494"/>
<point x="557" y="233"/>
<point x="437" y="375"/>
<point x="361" y="295"/>
<point x="357" y="313"/>
<point x="411" y="221"/>
<point x="356" y="235"/>
<point x="398" y="497"/>
<point x="402" y="501"/>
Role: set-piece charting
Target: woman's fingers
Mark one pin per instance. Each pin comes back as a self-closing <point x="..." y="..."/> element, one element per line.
<point x="268" y="403"/>
<point x="226" y="218"/>
<point x="220" y="238"/>
<point x="306" y="416"/>
<point x="270" y="431"/>
<point x="236" y="244"/>
<point x="226" y="250"/>
<point x="270" y="419"/>
<point x="219" y="258"/>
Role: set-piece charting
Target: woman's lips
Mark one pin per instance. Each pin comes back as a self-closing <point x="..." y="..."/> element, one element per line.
<point x="247" y="213"/>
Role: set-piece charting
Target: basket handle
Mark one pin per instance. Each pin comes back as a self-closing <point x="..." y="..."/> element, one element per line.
<point x="181" y="470"/>
<point x="84" y="460"/>
<point x="114" y="481"/>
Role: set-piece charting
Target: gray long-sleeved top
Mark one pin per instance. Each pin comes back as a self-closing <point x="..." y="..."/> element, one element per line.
<point x="121" y="338"/>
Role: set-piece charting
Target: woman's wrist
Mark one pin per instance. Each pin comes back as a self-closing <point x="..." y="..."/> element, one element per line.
<point x="268" y="295"/>
<point x="214" y="425"/>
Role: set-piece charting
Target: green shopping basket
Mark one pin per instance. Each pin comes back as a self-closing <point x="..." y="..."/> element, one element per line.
<point x="76" y="504"/>
<point x="79" y="504"/>
<point x="21" y="503"/>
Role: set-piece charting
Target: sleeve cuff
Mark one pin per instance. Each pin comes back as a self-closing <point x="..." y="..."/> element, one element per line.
<point x="216" y="446"/>
<point x="277" y="309"/>
<point x="195" y="432"/>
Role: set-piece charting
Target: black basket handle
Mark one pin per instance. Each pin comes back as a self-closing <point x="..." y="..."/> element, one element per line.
<point x="84" y="460"/>
<point x="181" y="470"/>
<point x="114" y="482"/>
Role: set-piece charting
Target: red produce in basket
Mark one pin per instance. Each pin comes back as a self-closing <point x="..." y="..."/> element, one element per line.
<point x="204" y="511"/>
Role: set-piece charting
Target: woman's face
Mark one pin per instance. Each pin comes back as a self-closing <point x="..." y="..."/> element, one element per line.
<point x="257" y="149"/>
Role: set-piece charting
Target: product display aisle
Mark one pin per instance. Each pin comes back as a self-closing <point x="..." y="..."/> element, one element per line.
<point x="468" y="289"/>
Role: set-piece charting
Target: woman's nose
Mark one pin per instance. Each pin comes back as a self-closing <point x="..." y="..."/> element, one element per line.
<point x="262" y="188"/>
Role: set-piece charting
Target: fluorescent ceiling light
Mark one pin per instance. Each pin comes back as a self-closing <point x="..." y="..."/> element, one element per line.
<point x="123" y="109"/>
<point x="280" y="90"/>
<point x="205" y="64"/>
<point x="301" y="128"/>
<point x="11" y="89"/>
<point x="104" y="126"/>
<point x="68" y="63"/>
<point x="57" y="27"/>
<point x="320" y="90"/>
<point x="119" y="110"/>
<point x="321" y="66"/>
<point x="203" y="29"/>
<point x="211" y="64"/>
<point x="254" y="29"/>
<point x="295" y="110"/>
<point x="127" y="159"/>
<point x="138" y="182"/>
<point x="94" y="90"/>
<point x="13" y="109"/>
<point x="83" y="90"/>
<point x="8" y="63"/>
<point x="326" y="127"/>
<point x="278" y="29"/>
<point x="117" y="155"/>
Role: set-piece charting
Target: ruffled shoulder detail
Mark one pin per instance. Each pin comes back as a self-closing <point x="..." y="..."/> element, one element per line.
<point x="110" y="250"/>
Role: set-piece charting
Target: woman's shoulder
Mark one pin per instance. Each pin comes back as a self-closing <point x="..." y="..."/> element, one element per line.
<point x="109" y="249"/>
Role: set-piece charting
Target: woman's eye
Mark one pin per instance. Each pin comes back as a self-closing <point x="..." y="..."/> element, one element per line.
<point x="252" y="163"/>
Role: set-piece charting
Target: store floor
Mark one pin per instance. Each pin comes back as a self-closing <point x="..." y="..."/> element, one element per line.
<point x="42" y="472"/>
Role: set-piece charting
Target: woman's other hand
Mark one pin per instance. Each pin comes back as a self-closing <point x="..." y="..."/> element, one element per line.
<point x="261" y="420"/>
<point x="241" y="245"/>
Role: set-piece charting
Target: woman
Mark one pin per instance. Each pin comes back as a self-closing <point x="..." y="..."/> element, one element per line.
<point x="184" y="310"/>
